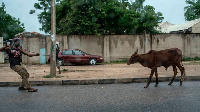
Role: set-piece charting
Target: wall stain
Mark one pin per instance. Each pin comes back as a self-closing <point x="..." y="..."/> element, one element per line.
<point x="131" y="39"/>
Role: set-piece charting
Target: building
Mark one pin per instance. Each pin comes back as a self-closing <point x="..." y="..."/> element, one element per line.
<point x="188" y="27"/>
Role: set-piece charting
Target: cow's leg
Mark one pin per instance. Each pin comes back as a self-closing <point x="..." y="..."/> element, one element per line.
<point x="150" y="77"/>
<point x="182" y="69"/>
<point x="175" y="73"/>
<point x="156" y="74"/>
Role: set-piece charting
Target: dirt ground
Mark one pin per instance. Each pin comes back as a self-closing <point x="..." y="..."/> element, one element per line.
<point x="105" y="71"/>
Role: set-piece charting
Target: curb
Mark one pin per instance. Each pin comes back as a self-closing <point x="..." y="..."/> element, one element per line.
<point x="99" y="81"/>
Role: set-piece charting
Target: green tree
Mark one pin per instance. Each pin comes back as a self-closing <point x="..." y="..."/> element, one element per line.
<point x="9" y="26"/>
<point x="149" y="20"/>
<point x="192" y="11"/>
<point x="45" y="16"/>
<point x="99" y="17"/>
<point x="85" y="17"/>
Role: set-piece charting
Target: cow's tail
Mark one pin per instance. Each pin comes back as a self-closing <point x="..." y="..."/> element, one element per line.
<point x="181" y="60"/>
<point x="184" y="74"/>
<point x="179" y="53"/>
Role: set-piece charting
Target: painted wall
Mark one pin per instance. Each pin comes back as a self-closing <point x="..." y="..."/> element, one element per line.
<point x="123" y="46"/>
<point x="32" y="43"/>
<point x="188" y="43"/>
<point x="115" y="47"/>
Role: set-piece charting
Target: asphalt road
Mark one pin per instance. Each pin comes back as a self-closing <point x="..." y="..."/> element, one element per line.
<point x="104" y="98"/>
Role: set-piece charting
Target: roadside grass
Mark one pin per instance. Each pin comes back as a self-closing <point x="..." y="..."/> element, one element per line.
<point x="64" y="70"/>
<point x="117" y="62"/>
<point x="49" y="76"/>
<point x="191" y="59"/>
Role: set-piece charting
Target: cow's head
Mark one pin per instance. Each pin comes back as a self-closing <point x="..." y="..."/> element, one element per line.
<point x="134" y="58"/>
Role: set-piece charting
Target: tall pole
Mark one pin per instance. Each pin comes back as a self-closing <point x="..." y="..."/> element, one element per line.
<point x="53" y="37"/>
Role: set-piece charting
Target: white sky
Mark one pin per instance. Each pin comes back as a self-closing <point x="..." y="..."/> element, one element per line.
<point x="172" y="10"/>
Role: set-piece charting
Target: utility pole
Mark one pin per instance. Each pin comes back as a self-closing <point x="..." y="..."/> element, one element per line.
<point x="53" y="37"/>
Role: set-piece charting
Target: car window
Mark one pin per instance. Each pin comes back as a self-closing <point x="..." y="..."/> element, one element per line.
<point x="67" y="52"/>
<point x="76" y="52"/>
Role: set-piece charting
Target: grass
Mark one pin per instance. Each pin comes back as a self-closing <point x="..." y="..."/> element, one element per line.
<point x="191" y="59"/>
<point x="64" y="70"/>
<point x="59" y="76"/>
<point x="49" y="76"/>
<point x="117" y="62"/>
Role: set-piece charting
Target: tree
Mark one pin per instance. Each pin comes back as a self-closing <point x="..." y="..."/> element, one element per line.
<point x="9" y="26"/>
<point x="149" y="20"/>
<point x="192" y="11"/>
<point x="84" y="17"/>
<point x="99" y="17"/>
<point x="45" y="16"/>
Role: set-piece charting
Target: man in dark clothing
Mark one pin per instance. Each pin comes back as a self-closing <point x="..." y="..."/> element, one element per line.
<point x="14" y="59"/>
<point x="57" y="61"/>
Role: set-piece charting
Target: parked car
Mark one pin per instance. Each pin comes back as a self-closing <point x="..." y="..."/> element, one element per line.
<point x="76" y="56"/>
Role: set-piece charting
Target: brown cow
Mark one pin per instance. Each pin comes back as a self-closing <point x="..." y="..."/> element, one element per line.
<point x="154" y="59"/>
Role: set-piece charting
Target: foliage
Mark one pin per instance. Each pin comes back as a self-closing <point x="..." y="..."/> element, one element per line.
<point x="123" y="61"/>
<point x="192" y="11"/>
<point x="191" y="59"/>
<point x="64" y="70"/>
<point x="85" y="17"/>
<point x="9" y="26"/>
<point x="47" y="76"/>
<point x="59" y="76"/>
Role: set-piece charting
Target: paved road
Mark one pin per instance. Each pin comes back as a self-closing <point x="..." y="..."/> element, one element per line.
<point x="104" y="98"/>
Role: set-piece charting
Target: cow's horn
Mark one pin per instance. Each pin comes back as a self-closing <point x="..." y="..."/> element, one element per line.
<point x="136" y="51"/>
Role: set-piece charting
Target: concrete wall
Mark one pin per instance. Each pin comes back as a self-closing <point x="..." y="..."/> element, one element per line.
<point x="90" y="44"/>
<point x="188" y="43"/>
<point x="115" y="47"/>
<point x="166" y="41"/>
<point x="123" y="46"/>
<point x="32" y="43"/>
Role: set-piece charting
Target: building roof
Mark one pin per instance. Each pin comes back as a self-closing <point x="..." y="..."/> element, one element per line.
<point x="166" y="27"/>
<point x="163" y="27"/>
<point x="27" y="34"/>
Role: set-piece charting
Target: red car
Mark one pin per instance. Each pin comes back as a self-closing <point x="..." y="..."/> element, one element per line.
<point x="76" y="56"/>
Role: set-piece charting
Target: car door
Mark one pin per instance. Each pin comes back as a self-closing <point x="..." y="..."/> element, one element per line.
<point x="79" y="57"/>
<point x="67" y="56"/>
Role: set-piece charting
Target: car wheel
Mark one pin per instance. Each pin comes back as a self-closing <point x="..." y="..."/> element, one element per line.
<point x="93" y="61"/>
<point x="61" y="62"/>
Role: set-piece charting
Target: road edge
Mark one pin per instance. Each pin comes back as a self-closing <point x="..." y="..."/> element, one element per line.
<point x="98" y="81"/>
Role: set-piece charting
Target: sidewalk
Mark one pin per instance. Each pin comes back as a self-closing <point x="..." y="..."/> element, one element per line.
<point x="97" y="74"/>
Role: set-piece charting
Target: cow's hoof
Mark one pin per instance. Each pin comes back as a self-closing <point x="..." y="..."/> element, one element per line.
<point x="145" y="86"/>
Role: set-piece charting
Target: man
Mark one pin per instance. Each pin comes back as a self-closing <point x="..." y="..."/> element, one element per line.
<point x="57" y="61"/>
<point x="14" y="60"/>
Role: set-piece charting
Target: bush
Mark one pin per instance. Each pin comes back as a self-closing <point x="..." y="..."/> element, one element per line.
<point x="191" y="59"/>
<point x="47" y="76"/>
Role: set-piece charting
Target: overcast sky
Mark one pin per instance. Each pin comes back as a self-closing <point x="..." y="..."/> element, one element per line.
<point x="172" y="10"/>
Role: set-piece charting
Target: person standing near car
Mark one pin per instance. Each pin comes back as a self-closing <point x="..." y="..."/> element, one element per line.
<point x="57" y="60"/>
<point x="14" y="60"/>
